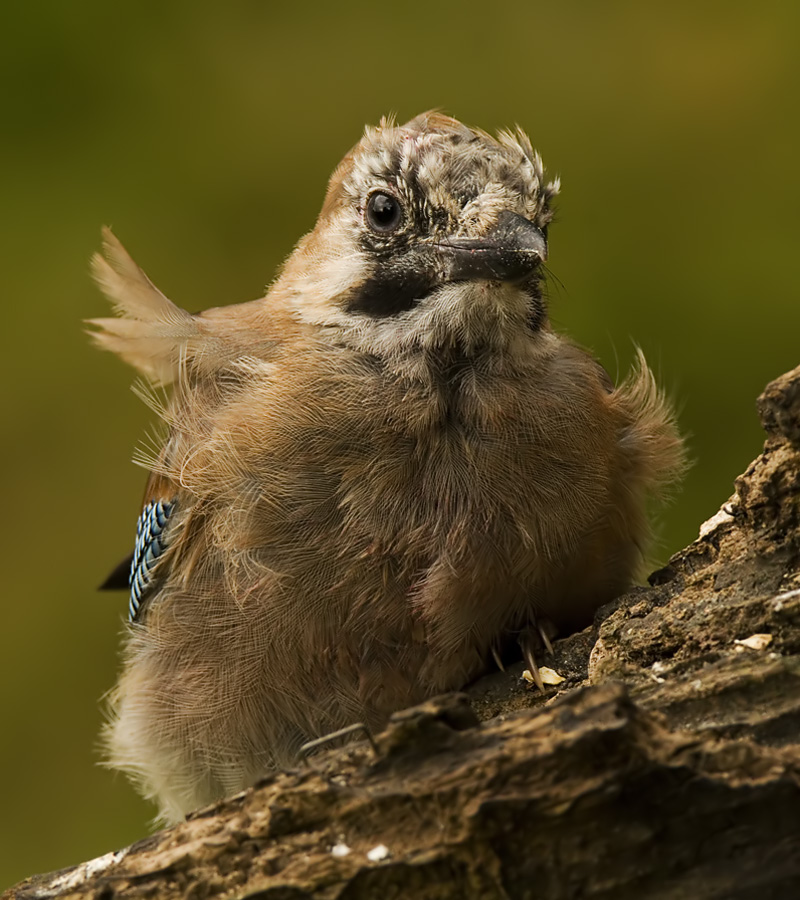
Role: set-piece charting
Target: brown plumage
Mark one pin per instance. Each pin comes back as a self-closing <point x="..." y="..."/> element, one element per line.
<point x="381" y="469"/>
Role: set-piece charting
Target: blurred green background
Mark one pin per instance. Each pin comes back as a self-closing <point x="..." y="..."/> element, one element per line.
<point x="205" y="133"/>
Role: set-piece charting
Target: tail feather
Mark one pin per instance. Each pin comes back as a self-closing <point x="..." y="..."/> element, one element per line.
<point x="152" y="332"/>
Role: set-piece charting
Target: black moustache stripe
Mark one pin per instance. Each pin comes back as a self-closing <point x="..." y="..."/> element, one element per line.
<point x="391" y="291"/>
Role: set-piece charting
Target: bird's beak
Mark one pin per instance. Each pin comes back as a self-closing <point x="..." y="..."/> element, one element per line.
<point x="510" y="251"/>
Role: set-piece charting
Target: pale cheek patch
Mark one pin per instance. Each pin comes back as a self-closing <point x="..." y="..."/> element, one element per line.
<point x="336" y="266"/>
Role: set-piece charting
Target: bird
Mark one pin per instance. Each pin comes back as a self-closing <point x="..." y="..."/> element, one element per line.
<point x="374" y="477"/>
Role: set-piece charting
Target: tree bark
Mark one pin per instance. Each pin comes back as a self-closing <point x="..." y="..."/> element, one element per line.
<point x="665" y="765"/>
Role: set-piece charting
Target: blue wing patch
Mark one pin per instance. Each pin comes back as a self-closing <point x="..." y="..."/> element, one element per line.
<point x="151" y="542"/>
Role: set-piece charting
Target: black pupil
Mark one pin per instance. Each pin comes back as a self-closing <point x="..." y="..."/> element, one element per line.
<point x="384" y="211"/>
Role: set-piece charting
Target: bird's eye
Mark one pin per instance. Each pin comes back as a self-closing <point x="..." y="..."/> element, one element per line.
<point x="384" y="212"/>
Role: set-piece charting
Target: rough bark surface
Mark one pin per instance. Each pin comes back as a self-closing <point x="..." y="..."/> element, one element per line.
<point x="665" y="765"/>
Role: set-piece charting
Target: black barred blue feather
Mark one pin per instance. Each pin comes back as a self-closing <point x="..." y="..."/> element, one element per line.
<point x="151" y="542"/>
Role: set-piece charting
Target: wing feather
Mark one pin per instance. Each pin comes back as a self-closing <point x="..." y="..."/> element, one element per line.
<point x="151" y="332"/>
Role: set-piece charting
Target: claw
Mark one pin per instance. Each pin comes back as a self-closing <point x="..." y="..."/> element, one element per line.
<point x="530" y="659"/>
<point x="497" y="659"/>
<point x="545" y="638"/>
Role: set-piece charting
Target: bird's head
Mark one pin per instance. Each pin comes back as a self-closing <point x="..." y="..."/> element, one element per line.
<point x="432" y="235"/>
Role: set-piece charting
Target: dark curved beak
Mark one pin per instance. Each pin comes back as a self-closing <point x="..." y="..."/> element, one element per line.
<point x="508" y="252"/>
